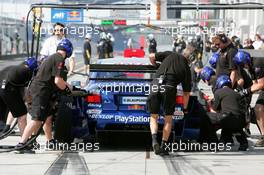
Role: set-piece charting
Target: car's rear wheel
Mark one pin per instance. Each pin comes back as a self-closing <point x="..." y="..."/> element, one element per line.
<point x="63" y="121"/>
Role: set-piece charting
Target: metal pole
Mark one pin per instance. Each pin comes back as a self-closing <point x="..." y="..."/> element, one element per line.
<point x="224" y="24"/>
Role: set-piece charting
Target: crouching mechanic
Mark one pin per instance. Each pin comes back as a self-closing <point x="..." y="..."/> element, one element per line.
<point x="173" y="70"/>
<point x="231" y="110"/>
<point x="47" y="81"/>
<point x="13" y="80"/>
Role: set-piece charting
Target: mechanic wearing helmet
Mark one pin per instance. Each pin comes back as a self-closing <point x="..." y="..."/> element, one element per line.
<point x="225" y="64"/>
<point x="13" y="80"/>
<point x="243" y="61"/>
<point x="208" y="76"/>
<point x="231" y="110"/>
<point x="173" y="70"/>
<point x="207" y="130"/>
<point x="87" y="52"/>
<point x="258" y="67"/>
<point x="213" y="60"/>
<point x="47" y="81"/>
<point x="152" y="44"/>
<point x="49" y="48"/>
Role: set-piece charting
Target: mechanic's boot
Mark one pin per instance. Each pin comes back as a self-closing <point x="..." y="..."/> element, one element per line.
<point x="20" y="148"/>
<point x="260" y="142"/>
<point x="243" y="147"/>
<point x="51" y="144"/>
<point x="155" y="144"/>
<point x="164" y="149"/>
<point x="242" y="139"/>
<point x="156" y="148"/>
<point x="34" y="145"/>
<point x="227" y="140"/>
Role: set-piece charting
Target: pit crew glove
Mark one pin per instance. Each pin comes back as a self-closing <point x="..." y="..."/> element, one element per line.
<point x="245" y="92"/>
<point x="74" y="88"/>
<point x="67" y="91"/>
<point x="78" y="92"/>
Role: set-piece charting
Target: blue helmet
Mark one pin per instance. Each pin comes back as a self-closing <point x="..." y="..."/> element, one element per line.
<point x="214" y="59"/>
<point x="32" y="63"/>
<point x="223" y="80"/>
<point x="65" y="45"/>
<point x="242" y="58"/>
<point x="206" y="73"/>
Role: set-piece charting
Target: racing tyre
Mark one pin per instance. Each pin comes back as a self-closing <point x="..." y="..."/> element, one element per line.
<point x="63" y="121"/>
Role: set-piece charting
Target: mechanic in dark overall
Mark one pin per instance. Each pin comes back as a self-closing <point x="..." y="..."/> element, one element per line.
<point x="225" y="64"/>
<point x="242" y="60"/>
<point x="231" y="109"/>
<point x="258" y="84"/>
<point x="152" y="44"/>
<point x="207" y="130"/>
<point x="173" y="70"/>
<point x="13" y="81"/>
<point x="47" y="81"/>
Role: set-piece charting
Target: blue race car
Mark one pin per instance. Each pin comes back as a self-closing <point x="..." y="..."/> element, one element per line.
<point x="118" y="95"/>
<point x="116" y="101"/>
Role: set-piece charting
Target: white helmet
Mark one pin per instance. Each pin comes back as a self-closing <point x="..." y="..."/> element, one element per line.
<point x="103" y="35"/>
<point x="110" y="37"/>
<point x="150" y="36"/>
<point x="88" y="36"/>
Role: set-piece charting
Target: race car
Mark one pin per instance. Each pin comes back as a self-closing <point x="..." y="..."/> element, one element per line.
<point x="117" y="94"/>
<point x="117" y="99"/>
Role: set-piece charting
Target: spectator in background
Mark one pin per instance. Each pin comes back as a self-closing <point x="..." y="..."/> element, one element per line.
<point x="257" y="44"/>
<point x="180" y="44"/>
<point x="208" y="46"/>
<point x="102" y="46"/>
<point x="129" y="43"/>
<point x="236" y="42"/>
<point x="17" y="40"/>
<point x="110" y="45"/>
<point x="87" y="52"/>
<point x="248" y="44"/>
<point x="152" y="44"/>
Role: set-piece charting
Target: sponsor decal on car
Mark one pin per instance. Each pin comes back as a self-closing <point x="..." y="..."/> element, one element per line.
<point x="128" y="119"/>
<point x="94" y="105"/>
<point x="128" y="100"/>
<point x="132" y="119"/>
